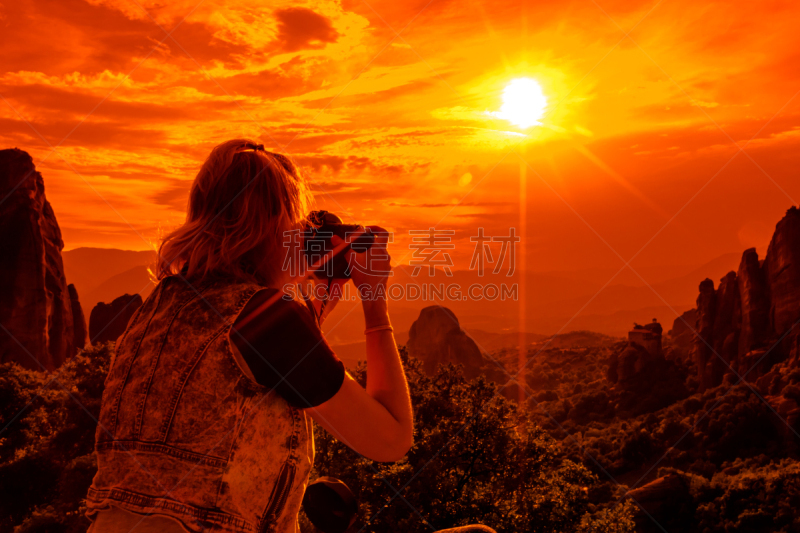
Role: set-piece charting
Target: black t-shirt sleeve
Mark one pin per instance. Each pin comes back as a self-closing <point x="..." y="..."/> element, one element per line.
<point x="285" y="350"/>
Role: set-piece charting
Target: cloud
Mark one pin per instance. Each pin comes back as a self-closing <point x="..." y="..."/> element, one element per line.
<point x="356" y="169"/>
<point x="272" y="84"/>
<point x="452" y="204"/>
<point x="385" y="127"/>
<point x="173" y="194"/>
<point x="300" y="28"/>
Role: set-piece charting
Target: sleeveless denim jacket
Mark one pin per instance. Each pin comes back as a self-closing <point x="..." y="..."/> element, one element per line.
<point x="186" y="432"/>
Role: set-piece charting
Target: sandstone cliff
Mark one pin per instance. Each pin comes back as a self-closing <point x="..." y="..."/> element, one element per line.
<point x="782" y="271"/>
<point x="749" y="322"/>
<point x="682" y="333"/>
<point x="755" y="301"/>
<point x="38" y="313"/>
<point x="660" y="502"/>
<point x="108" y="321"/>
<point x="81" y="334"/>
<point x="643" y="379"/>
<point x="436" y="338"/>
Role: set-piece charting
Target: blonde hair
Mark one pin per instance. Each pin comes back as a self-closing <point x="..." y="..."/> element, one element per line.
<point x="242" y="202"/>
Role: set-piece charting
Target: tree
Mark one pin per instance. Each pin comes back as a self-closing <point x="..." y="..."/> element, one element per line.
<point x="47" y="444"/>
<point x="475" y="459"/>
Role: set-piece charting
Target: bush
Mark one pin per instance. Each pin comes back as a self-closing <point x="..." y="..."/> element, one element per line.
<point x="475" y="459"/>
<point x="746" y="498"/>
<point x="47" y="442"/>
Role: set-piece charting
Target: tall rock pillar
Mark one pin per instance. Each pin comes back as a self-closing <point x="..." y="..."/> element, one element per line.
<point x="704" y="341"/>
<point x="36" y="312"/>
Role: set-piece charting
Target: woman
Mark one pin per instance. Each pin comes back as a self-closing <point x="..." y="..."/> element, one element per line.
<point x="205" y="417"/>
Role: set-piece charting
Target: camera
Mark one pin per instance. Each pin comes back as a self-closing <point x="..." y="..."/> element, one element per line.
<point x="317" y="244"/>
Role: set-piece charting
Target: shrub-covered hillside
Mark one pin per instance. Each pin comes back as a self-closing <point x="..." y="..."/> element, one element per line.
<point x="734" y="447"/>
<point x="476" y="458"/>
<point x="47" y="442"/>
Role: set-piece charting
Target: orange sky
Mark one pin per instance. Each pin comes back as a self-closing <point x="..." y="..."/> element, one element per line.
<point x="636" y="156"/>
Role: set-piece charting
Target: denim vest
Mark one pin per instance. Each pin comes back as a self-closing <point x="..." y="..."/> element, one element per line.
<point x="185" y="431"/>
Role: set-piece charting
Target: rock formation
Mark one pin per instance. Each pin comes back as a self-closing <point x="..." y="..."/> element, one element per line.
<point x="782" y="271"/>
<point x="108" y="321"/>
<point x="727" y="323"/>
<point x="624" y="365"/>
<point x="682" y="332"/>
<point x="749" y="322"/>
<point x="754" y="296"/>
<point x="38" y="313"/>
<point x="81" y="335"/>
<point x="648" y="337"/>
<point x="643" y="379"/>
<point x="643" y="348"/>
<point x="436" y="338"/>
<point x="703" y="346"/>
<point x="662" y="502"/>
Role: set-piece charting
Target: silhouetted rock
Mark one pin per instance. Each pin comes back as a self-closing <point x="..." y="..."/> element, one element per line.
<point x="754" y="296"/>
<point x="664" y="502"/>
<point x="108" y="321"/>
<point x="35" y="306"/>
<point x="647" y="336"/>
<point x="703" y="354"/>
<point x="81" y="335"/>
<point x="624" y="365"/>
<point x="727" y="323"/>
<point x="748" y="324"/>
<point x="436" y="338"/>
<point x="682" y="332"/>
<point x="644" y="347"/>
<point x="644" y="380"/>
<point x="782" y="269"/>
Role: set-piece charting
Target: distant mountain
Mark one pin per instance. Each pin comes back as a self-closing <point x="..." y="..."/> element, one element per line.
<point x="653" y="275"/>
<point x="137" y="280"/>
<point x="613" y="309"/>
<point x="103" y="274"/>
<point x="572" y="300"/>
<point x="489" y="341"/>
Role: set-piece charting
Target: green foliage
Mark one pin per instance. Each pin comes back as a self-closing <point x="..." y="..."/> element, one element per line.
<point x="697" y="434"/>
<point x="746" y="496"/>
<point x="613" y="519"/>
<point x="48" y="422"/>
<point x="738" y="456"/>
<point x="475" y="459"/>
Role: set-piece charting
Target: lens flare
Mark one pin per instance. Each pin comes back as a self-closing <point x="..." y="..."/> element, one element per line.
<point x="523" y="103"/>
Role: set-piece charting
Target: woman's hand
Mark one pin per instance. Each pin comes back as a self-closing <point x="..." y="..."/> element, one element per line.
<point x="376" y="422"/>
<point x="324" y="297"/>
<point x="370" y="273"/>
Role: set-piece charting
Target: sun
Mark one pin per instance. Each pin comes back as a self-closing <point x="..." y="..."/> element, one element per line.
<point x="524" y="103"/>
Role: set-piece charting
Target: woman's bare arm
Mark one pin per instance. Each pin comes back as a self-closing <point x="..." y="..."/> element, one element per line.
<point x="376" y="422"/>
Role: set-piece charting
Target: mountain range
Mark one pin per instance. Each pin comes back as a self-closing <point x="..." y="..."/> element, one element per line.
<point x="597" y="299"/>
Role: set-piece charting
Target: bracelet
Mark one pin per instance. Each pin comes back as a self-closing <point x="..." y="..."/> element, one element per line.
<point x="385" y="327"/>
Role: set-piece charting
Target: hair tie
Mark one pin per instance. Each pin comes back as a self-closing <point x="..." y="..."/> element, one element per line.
<point x="256" y="147"/>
